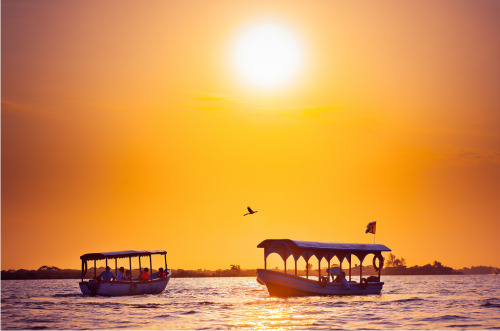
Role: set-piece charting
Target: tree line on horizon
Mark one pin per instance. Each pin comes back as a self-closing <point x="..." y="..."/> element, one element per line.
<point x="393" y="266"/>
<point x="52" y="272"/>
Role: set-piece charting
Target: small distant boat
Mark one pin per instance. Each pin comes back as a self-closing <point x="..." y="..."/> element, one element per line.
<point x="155" y="284"/>
<point x="283" y="284"/>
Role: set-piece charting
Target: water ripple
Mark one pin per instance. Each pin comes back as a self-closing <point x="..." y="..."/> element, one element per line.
<point x="491" y="303"/>
<point x="444" y="318"/>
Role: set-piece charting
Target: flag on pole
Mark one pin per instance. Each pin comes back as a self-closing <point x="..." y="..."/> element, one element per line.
<point x="371" y="227"/>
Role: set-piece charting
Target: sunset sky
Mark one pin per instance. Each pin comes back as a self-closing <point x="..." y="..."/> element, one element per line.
<point x="154" y="124"/>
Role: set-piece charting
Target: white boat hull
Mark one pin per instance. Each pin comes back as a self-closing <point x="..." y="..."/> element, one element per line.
<point x="280" y="284"/>
<point x="120" y="288"/>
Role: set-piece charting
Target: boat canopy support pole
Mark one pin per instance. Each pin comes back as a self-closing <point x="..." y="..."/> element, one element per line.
<point x="116" y="267"/>
<point x="150" y="267"/>
<point x="295" y="267"/>
<point x="328" y="271"/>
<point x="165" y="263"/>
<point x="265" y="262"/>
<point x="380" y="269"/>
<point x="95" y="271"/>
<point x="319" y="269"/>
<point x="140" y="268"/>
<point x="360" y="270"/>
<point x="350" y="268"/>
<point x="285" y="257"/>
<point x="130" y="266"/>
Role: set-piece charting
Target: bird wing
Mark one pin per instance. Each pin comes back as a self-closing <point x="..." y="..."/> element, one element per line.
<point x="250" y="209"/>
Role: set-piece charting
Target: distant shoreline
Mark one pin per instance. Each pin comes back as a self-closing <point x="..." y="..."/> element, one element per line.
<point x="56" y="273"/>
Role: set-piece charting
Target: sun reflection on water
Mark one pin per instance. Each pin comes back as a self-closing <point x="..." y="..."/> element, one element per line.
<point x="277" y="314"/>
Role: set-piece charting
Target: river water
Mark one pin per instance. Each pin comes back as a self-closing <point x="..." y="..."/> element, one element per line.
<point x="406" y="302"/>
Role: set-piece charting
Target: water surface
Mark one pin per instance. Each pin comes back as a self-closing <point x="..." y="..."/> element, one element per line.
<point x="406" y="302"/>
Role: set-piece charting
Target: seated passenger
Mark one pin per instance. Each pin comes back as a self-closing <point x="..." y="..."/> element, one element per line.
<point x="344" y="281"/>
<point x="144" y="275"/>
<point x="332" y="272"/>
<point x="120" y="275"/>
<point x="161" y="273"/>
<point x="340" y="277"/>
<point x="107" y="274"/>
<point x="127" y="275"/>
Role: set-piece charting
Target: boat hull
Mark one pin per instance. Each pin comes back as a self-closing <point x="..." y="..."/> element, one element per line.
<point x="120" y="288"/>
<point x="280" y="284"/>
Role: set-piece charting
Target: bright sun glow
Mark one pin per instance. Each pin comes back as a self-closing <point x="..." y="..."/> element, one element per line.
<point x="267" y="54"/>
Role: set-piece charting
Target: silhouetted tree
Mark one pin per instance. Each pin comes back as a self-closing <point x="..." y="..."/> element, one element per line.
<point x="390" y="260"/>
<point x="437" y="264"/>
<point x="400" y="263"/>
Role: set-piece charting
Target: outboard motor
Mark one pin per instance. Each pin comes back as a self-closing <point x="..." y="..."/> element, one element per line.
<point x="93" y="286"/>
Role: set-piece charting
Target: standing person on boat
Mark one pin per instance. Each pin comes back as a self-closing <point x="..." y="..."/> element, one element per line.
<point x="119" y="275"/>
<point x="107" y="274"/>
<point x="144" y="274"/>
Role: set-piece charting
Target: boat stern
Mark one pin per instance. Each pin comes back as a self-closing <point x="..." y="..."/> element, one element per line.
<point x="89" y="287"/>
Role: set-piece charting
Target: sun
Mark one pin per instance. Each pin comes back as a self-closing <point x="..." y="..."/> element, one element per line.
<point x="267" y="54"/>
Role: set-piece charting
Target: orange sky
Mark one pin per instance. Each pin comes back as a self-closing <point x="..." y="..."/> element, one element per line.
<point x="126" y="126"/>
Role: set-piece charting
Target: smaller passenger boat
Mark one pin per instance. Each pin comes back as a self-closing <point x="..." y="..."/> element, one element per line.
<point x="283" y="284"/>
<point x="155" y="284"/>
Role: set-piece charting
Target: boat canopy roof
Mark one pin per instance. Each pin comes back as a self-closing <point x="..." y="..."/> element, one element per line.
<point x="306" y="249"/>
<point x="120" y="254"/>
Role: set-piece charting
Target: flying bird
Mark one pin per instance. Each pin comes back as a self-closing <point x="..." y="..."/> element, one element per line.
<point x="250" y="211"/>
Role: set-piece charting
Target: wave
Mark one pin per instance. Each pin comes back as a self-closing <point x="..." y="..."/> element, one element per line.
<point x="491" y="303"/>
<point x="146" y="305"/>
<point x="38" y="327"/>
<point x="445" y="318"/>
<point x="189" y="312"/>
<point x="408" y="300"/>
<point x="164" y="316"/>
<point x="40" y="303"/>
<point x="203" y="303"/>
<point x="41" y="326"/>
<point x="101" y="304"/>
<point x="66" y="295"/>
<point x="464" y="326"/>
<point x="334" y="304"/>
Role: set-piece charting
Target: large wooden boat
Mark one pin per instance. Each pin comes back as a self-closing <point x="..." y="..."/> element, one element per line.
<point x="285" y="284"/>
<point x="96" y="286"/>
